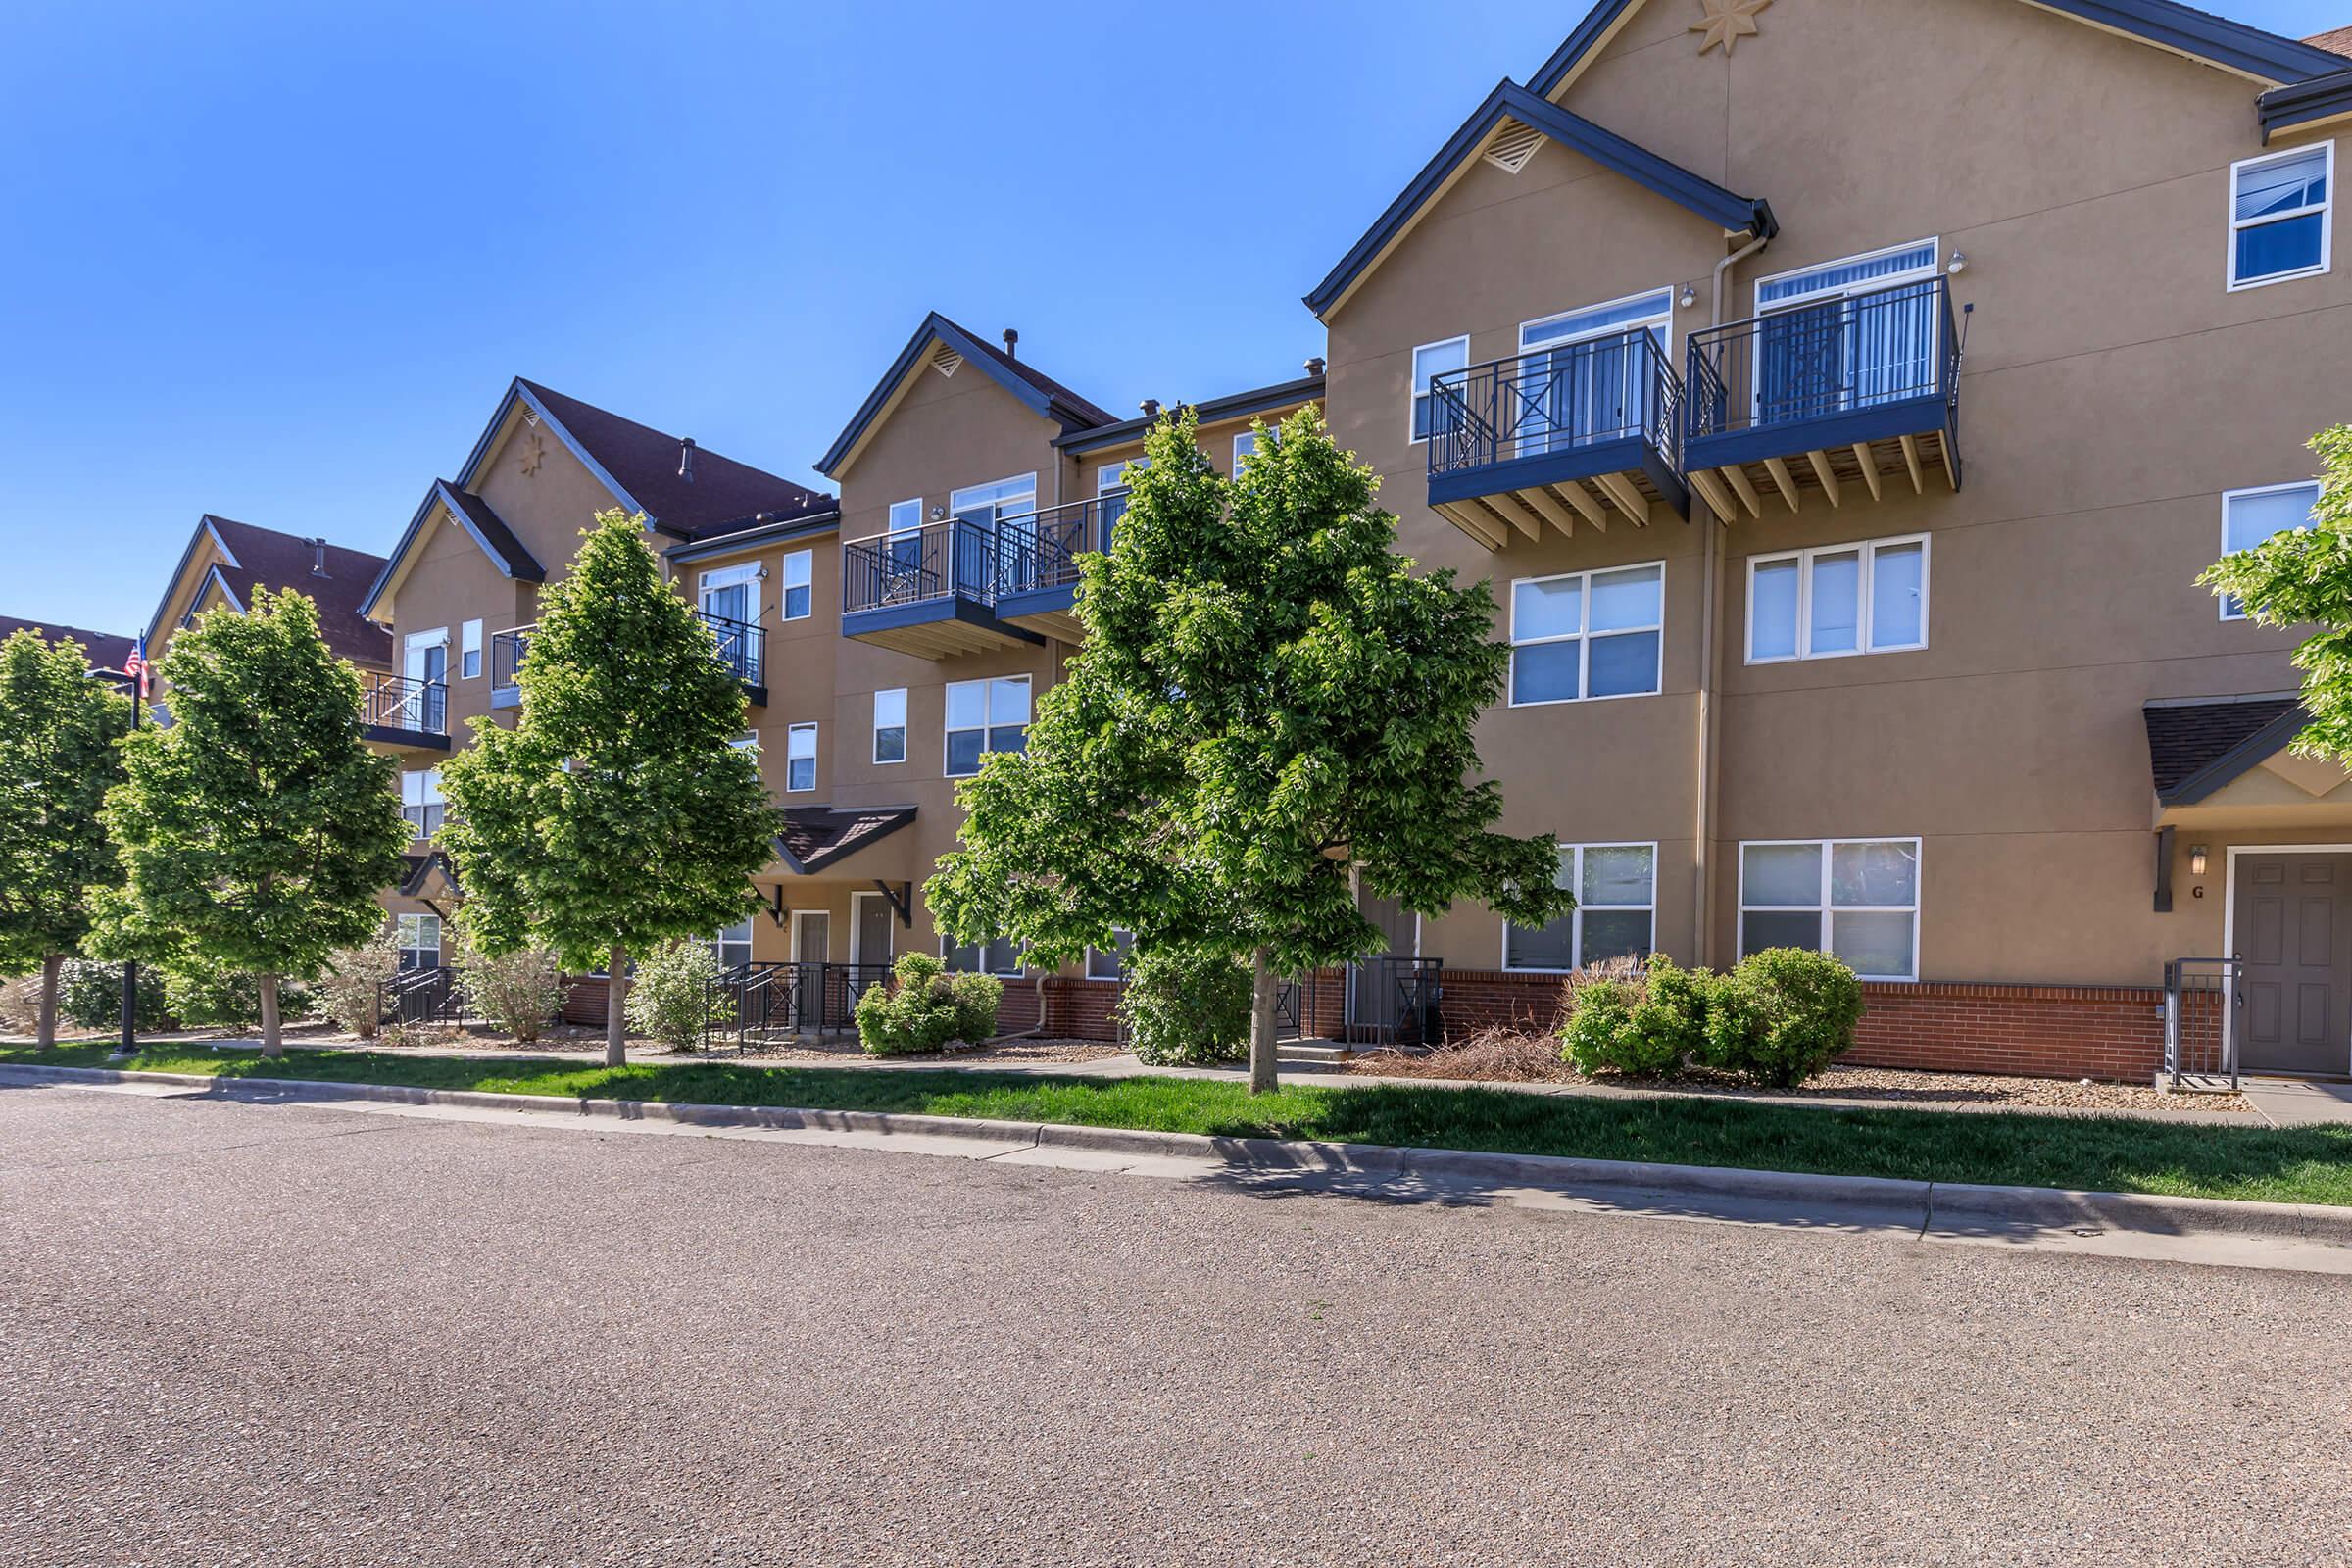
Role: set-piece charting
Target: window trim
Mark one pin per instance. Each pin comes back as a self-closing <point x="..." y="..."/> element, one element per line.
<point x="719" y="942"/>
<point x="785" y="585"/>
<point x="1239" y="436"/>
<point x="1828" y="911"/>
<point x="470" y="650"/>
<point x="1841" y="290"/>
<point x="2234" y="225"/>
<point x="1412" y="378"/>
<point x="792" y="736"/>
<point x="2222" y="602"/>
<point x="904" y="729"/>
<point x="956" y="510"/>
<point x="1868" y="549"/>
<point x="429" y="800"/>
<point x="1020" y="963"/>
<point x="400" y="944"/>
<point x="1112" y="477"/>
<point x="988" y="719"/>
<point x="743" y="574"/>
<point x="1584" y="634"/>
<point x="1576" y="936"/>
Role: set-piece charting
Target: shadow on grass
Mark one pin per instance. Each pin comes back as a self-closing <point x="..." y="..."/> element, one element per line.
<point x="2311" y="1164"/>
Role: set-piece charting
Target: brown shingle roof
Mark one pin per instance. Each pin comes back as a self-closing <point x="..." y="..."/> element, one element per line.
<point x="2211" y="737"/>
<point x="815" y="836"/>
<point x="2335" y="41"/>
<point x="1036" y="378"/>
<point x="337" y="578"/>
<point x="644" y="462"/>
<point x="106" y="650"/>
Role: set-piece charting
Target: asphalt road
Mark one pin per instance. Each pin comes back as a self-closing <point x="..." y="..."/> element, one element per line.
<point x="249" y="1334"/>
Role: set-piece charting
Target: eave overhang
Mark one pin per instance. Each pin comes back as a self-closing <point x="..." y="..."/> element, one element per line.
<point x="1233" y="406"/>
<point x="2303" y="104"/>
<point x="754" y="536"/>
<point x="482" y="525"/>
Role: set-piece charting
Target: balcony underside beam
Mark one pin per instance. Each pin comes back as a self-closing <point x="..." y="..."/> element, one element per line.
<point x="1836" y="474"/>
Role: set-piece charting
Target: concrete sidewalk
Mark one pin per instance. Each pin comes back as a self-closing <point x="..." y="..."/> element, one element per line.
<point x="2298" y="1101"/>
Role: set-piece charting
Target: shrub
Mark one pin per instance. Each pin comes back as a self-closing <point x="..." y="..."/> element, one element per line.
<point x="1185" y="1007"/>
<point x="1650" y="1027"/>
<point x="976" y="998"/>
<point x="89" y="995"/>
<point x="212" y="998"/>
<point x="920" y="1012"/>
<point x="1783" y="1015"/>
<point x="517" y="992"/>
<point x="674" y="994"/>
<point x="21" y="1003"/>
<point x="351" y="988"/>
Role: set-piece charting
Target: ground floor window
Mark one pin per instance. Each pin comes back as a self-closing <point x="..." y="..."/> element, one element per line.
<point x="1857" y="899"/>
<point x="418" y="937"/>
<point x="732" y="947"/>
<point x="997" y="955"/>
<point x="1106" y="963"/>
<point x="1615" y="914"/>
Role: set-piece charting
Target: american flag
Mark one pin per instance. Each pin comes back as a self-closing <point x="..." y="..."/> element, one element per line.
<point x="136" y="666"/>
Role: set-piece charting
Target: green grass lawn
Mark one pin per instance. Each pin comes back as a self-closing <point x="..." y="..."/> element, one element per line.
<point x="2307" y="1165"/>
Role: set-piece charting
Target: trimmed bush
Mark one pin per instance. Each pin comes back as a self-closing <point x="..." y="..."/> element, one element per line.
<point x="1783" y="1015"/>
<point x="212" y="998"/>
<point x="89" y="995"/>
<point x="1649" y="1027"/>
<point x="351" y="986"/>
<point x="517" y="992"/>
<point x="1186" y="1008"/>
<point x="671" y="997"/>
<point x="926" y="1009"/>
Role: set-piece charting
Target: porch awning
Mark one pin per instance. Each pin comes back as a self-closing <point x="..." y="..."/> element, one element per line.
<point x="428" y="877"/>
<point x="2223" y="762"/>
<point x="814" y="837"/>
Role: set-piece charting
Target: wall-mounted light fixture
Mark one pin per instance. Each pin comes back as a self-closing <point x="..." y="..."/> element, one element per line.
<point x="2196" y="859"/>
<point x="1958" y="264"/>
<point x="939" y="514"/>
<point x="1689" y="296"/>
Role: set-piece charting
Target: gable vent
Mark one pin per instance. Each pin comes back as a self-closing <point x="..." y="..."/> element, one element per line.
<point x="947" y="362"/>
<point x="1512" y="145"/>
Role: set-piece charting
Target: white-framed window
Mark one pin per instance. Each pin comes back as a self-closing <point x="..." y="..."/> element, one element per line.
<point x="1594" y="384"/>
<point x="1245" y="446"/>
<point x="1106" y="963"/>
<point x="470" y="650"/>
<point x="796" y="599"/>
<point x="1855" y="897"/>
<point x="2279" y="215"/>
<point x="424" y="660"/>
<point x="418" y="937"/>
<point x="1588" y="634"/>
<point x="996" y="501"/>
<point x="983" y="717"/>
<point x="799" y="757"/>
<point x="420" y="802"/>
<point x="732" y="945"/>
<point x="1114" y="475"/>
<point x="732" y="593"/>
<point x="1849" y="274"/>
<point x="745" y="743"/>
<point x="1000" y="956"/>
<point x="2249" y="517"/>
<point x="890" y="726"/>
<point x="904" y="541"/>
<point x="1826" y="603"/>
<point x="1616" y="888"/>
<point x="1434" y="360"/>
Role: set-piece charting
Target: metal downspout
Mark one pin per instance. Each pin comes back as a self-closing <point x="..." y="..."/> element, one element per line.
<point x="1710" y="660"/>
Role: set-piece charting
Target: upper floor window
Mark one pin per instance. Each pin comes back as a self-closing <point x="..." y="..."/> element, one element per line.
<point x="470" y="650"/>
<point x="420" y="802"/>
<point x="793" y="599"/>
<point x="890" y="726"/>
<point x="1434" y="360"/>
<point x="2278" y="216"/>
<point x="732" y="593"/>
<point x="983" y="717"/>
<point x="992" y="502"/>
<point x="1245" y="446"/>
<point x="1870" y="597"/>
<point x="799" y="757"/>
<point x="1615" y="914"/>
<point x="905" y="541"/>
<point x="1855" y="897"/>
<point x="1899" y="263"/>
<point x="2249" y="517"/>
<point x="1587" y="634"/>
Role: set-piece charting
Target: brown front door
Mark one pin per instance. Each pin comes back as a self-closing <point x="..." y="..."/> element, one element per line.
<point x="2294" y="932"/>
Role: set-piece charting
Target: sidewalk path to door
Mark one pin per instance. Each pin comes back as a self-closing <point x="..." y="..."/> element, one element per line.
<point x="2298" y="1101"/>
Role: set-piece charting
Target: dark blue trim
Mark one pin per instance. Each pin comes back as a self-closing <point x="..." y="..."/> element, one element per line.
<point x="937" y="328"/>
<point x="764" y="536"/>
<point x="1733" y="214"/>
<point x="2302" y="102"/>
<point x="1055" y="600"/>
<point x="2158" y="22"/>
<point x="930" y="611"/>
<point x="415" y="739"/>
<point x="527" y="569"/>
<point x="1232" y="405"/>
<point x="1554" y="468"/>
<point x="204" y="530"/>
<point x="1879" y="421"/>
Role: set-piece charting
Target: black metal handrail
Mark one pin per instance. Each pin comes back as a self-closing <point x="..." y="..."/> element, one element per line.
<point x="957" y="557"/>
<point x="506" y="648"/>
<point x="1810" y="361"/>
<point x="742" y="646"/>
<point x="748" y="1000"/>
<point x="2201" y="997"/>
<point x="1041" y="549"/>
<point x="1556" y="400"/>
<point x="430" y="994"/>
<point x="397" y="701"/>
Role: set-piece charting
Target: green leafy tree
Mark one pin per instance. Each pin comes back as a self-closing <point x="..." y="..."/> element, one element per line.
<point x="58" y="734"/>
<point x="1270" y="706"/>
<point x="615" y="817"/>
<point x="2304" y="578"/>
<point x="255" y="831"/>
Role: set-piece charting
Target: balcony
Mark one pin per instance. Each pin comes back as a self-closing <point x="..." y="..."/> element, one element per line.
<point x="1837" y="397"/>
<point x="406" y="715"/>
<point x="1037" y="562"/>
<point x="1576" y="432"/>
<point x="506" y="648"/>
<point x="743" y="649"/>
<point x="930" y="591"/>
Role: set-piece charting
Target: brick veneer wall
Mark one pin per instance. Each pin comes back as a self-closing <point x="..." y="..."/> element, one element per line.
<point x="585" y="1001"/>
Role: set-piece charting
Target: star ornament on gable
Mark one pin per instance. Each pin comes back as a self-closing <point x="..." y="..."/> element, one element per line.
<point x="1728" y="22"/>
<point x="533" y="450"/>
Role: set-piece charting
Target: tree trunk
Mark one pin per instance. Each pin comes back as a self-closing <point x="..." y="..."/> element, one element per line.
<point x="272" y="1042"/>
<point x="616" y="995"/>
<point x="1263" y="1079"/>
<point x="46" y="1030"/>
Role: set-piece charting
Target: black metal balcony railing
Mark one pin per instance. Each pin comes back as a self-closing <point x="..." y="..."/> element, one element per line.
<point x="396" y="701"/>
<point x="956" y="557"/>
<point x="742" y="646"/>
<point x="1555" y="400"/>
<point x="1041" y="549"/>
<point x="506" y="648"/>
<point x="1817" y="361"/>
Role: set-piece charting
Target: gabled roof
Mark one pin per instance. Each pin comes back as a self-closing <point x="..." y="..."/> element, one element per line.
<point x="1733" y="214"/>
<point x="2183" y="29"/>
<point x="1232" y="405"/>
<point x="106" y="650"/>
<point x="2195" y="745"/>
<point x="817" y="836"/>
<point x="489" y="530"/>
<point x="336" y="578"/>
<point x="1044" y="396"/>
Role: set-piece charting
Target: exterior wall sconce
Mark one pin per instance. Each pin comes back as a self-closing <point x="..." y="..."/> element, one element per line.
<point x="939" y="514"/>
<point x="1689" y="296"/>
<point x="1958" y="264"/>
<point x="2196" y="859"/>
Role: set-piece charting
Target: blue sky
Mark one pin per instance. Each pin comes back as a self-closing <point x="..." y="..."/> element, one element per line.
<point x="279" y="262"/>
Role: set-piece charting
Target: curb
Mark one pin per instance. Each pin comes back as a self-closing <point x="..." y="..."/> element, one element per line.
<point x="1941" y="1207"/>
